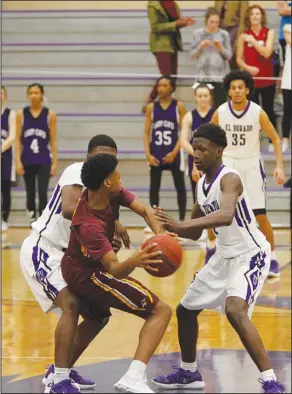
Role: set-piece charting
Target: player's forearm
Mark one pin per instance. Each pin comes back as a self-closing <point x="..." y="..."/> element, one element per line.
<point x="7" y="144"/>
<point x="278" y="152"/>
<point x="189" y="229"/>
<point x="121" y="270"/>
<point x="187" y="147"/>
<point x="151" y="221"/>
<point x="146" y="144"/>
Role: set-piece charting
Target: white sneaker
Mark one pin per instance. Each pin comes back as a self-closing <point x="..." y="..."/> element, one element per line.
<point x="285" y="145"/>
<point x="4" y="226"/>
<point x="128" y="384"/>
<point x="147" y="230"/>
<point x="271" y="147"/>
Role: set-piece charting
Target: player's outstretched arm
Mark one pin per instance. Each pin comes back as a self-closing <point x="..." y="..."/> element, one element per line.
<point x="270" y="131"/>
<point x="231" y="187"/>
<point x="147" y="214"/>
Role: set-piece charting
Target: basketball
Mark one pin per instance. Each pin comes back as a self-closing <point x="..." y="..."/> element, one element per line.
<point x="172" y="254"/>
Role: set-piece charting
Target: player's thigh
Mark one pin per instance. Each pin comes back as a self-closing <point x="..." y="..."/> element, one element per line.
<point x="208" y="288"/>
<point x="248" y="273"/>
<point x="127" y="294"/>
<point x="255" y="184"/>
<point x="45" y="280"/>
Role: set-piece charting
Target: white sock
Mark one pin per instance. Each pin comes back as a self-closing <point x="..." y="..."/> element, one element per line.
<point x="273" y="255"/>
<point x="61" y="374"/>
<point x="268" y="375"/>
<point x="189" y="366"/>
<point x="137" y="369"/>
<point x="210" y="244"/>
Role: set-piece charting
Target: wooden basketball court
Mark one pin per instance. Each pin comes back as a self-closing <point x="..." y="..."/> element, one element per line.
<point x="28" y="334"/>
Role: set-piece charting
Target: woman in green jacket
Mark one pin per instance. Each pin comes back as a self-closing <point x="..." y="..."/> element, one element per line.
<point x="165" y="38"/>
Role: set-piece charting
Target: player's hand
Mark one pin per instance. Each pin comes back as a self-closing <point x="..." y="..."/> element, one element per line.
<point x="169" y="158"/>
<point x="196" y="174"/>
<point x="143" y="258"/>
<point x="166" y="221"/>
<point x="153" y="162"/>
<point x="122" y="233"/>
<point x="253" y="71"/>
<point x="19" y="168"/>
<point x="53" y="169"/>
<point x="279" y="175"/>
<point x="117" y="243"/>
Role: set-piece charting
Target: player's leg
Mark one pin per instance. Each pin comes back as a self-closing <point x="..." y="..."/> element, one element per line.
<point x="207" y="291"/>
<point x="155" y="183"/>
<point x="6" y="199"/>
<point x="245" y="280"/>
<point x="179" y="184"/>
<point x="256" y="190"/>
<point x="43" y="176"/>
<point x="29" y="180"/>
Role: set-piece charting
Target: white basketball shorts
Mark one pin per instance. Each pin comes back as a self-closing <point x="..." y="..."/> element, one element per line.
<point x="252" y="172"/>
<point x="40" y="262"/>
<point x="242" y="276"/>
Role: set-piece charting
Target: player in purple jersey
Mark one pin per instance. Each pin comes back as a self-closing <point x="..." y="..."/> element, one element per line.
<point x="35" y="131"/>
<point x="161" y="142"/>
<point x="191" y="121"/>
<point x="7" y="162"/>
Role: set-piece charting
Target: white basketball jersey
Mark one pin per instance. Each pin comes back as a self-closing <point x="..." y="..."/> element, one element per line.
<point x="51" y="224"/>
<point x="242" y="235"/>
<point x="242" y="130"/>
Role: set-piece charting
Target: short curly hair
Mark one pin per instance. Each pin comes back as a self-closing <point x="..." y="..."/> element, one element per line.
<point x="96" y="169"/>
<point x="213" y="133"/>
<point x="236" y="75"/>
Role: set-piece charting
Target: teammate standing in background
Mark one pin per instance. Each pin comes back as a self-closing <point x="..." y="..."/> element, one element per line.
<point x="242" y="121"/>
<point x="7" y="160"/>
<point x="234" y="276"/>
<point x="162" y="145"/>
<point x="36" y="130"/>
<point x="191" y="121"/>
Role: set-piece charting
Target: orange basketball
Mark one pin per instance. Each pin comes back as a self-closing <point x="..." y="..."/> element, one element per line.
<point x="172" y="254"/>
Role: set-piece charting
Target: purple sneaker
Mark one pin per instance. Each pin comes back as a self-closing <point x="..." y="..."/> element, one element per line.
<point x="74" y="375"/>
<point x="272" y="386"/>
<point x="209" y="253"/>
<point x="274" y="269"/>
<point x="65" y="386"/>
<point x="181" y="379"/>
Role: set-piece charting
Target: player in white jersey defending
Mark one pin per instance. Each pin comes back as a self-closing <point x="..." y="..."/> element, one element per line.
<point x="242" y="121"/>
<point x="40" y="259"/>
<point x="233" y="277"/>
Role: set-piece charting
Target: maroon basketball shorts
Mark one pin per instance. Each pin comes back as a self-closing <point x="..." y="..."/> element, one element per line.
<point x="99" y="291"/>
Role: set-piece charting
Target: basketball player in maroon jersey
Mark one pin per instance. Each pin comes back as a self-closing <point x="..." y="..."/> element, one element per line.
<point x="93" y="272"/>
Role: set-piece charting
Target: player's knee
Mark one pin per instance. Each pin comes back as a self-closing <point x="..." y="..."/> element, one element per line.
<point x="183" y="313"/>
<point x="163" y="309"/>
<point x="235" y="309"/>
<point x="70" y="304"/>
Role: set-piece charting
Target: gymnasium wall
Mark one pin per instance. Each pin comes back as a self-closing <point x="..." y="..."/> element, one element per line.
<point x="113" y="5"/>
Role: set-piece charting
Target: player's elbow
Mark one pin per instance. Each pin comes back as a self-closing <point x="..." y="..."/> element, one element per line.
<point x="227" y="218"/>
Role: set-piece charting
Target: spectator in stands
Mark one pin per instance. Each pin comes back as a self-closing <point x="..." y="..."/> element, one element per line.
<point x="212" y="51"/>
<point x="254" y="55"/>
<point x="165" y="37"/>
<point x="35" y="131"/>
<point x="161" y="143"/>
<point x="286" y="91"/>
<point x="7" y="161"/>
<point x="232" y="14"/>
<point x="284" y="10"/>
